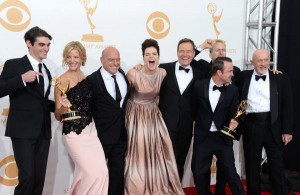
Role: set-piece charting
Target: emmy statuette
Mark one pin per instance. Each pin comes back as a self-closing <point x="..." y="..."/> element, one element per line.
<point x="70" y="114"/>
<point x="240" y="111"/>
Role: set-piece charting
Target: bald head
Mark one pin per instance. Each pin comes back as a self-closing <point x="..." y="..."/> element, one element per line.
<point x="261" y="61"/>
<point x="110" y="59"/>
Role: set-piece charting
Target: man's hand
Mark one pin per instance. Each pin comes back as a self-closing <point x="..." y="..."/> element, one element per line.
<point x="30" y="76"/>
<point x="233" y="124"/>
<point x="207" y="44"/>
<point x="286" y="138"/>
<point x="138" y="67"/>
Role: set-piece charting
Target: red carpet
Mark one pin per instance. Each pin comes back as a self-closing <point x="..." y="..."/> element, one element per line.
<point x="192" y="190"/>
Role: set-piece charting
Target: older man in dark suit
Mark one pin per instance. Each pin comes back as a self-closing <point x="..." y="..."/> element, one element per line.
<point x="175" y="100"/>
<point x="215" y="105"/>
<point x="268" y="121"/>
<point x="29" y="122"/>
<point x="110" y="93"/>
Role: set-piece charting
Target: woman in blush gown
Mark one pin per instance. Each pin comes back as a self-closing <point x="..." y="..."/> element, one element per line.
<point x="80" y="135"/>
<point x="150" y="166"/>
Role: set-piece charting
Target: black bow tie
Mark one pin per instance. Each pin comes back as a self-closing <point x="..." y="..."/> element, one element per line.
<point x="185" y="69"/>
<point x="215" y="87"/>
<point x="263" y="77"/>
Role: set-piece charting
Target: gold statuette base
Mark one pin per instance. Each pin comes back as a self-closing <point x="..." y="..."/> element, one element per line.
<point x="71" y="115"/>
<point x="92" y="38"/>
<point x="229" y="132"/>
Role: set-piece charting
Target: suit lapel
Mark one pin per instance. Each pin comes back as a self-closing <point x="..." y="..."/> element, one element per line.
<point x="103" y="89"/>
<point x="206" y="94"/>
<point x="50" y="78"/>
<point x="273" y="98"/>
<point x="246" y="85"/>
<point x="127" y="82"/>
<point x="173" y="76"/>
<point x="34" y="86"/>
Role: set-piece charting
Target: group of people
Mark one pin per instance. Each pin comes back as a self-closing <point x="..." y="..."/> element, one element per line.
<point x="145" y="119"/>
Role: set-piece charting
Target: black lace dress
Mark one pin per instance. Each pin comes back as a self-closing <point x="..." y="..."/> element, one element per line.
<point x="83" y="145"/>
<point x="81" y="98"/>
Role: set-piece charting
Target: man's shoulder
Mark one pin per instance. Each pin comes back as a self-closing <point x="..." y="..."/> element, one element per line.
<point x="93" y="74"/>
<point x="167" y="65"/>
<point x="16" y="60"/>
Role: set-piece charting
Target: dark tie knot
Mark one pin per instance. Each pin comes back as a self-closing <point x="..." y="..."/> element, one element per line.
<point x="185" y="69"/>
<point x="263" y="77"/>
<point x="221" y="88"/>
<point x="40" y="67"/>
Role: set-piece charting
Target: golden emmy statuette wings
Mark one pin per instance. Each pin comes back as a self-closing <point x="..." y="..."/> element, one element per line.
<point x="212" y="8"/>
<point x="92" y="37"/>
<point x="70" y="114"/>
<point x="240" y="111"/>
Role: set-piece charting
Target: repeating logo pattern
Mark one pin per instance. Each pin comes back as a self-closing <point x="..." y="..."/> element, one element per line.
<point x="14" y="15"/>
<point x="9" y="175"/>
<point x="158" y="25"/>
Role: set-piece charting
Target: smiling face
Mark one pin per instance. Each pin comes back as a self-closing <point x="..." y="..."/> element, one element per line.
<point x="218" y="50"/>
<point x="261" y="61"/>
<point x="40" y="48"/>
<point x="73" y="60"/>
<point x="185" y="53"/>
<point x="111" y="60"/>
<point x="151" y="58"/>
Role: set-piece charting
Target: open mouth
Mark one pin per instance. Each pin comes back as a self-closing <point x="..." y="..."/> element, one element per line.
<point x="152" y="63"/>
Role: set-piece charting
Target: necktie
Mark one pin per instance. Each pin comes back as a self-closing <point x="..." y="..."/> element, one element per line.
<point x="185" y="69"/>
<point x="118" y="93"/>
<point x="41" y="79"/>
<point x="215" y="87"/>
<point x="263" y="77"/>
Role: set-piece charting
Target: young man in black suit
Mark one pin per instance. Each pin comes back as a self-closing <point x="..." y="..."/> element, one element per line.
<point x="216" y="105"/>
<point x="29" y="122"/>
<point x="175" y="99"/>
<point x="267" y="123"/>
<point x="108" y="112"/>
<point x="217" y="48"/>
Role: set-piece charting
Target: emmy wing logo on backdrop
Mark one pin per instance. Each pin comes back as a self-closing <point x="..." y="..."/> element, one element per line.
<point x="90" y="9"/>
<point x="9" y="171"/>
<point x="14" y="15"/>
<point x="212" y="9"/>
<point x="4" y="113"/>
<point x="158" y="25"/>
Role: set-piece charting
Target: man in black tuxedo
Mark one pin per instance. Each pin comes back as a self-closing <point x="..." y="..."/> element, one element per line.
<point x="29" y="122"/>
<point x="217" y="48"/>
<point x="110" y="94"/>
<point x="267" y="123"/>
<point x="175" y="100"/>
<point x="216" y="105"/>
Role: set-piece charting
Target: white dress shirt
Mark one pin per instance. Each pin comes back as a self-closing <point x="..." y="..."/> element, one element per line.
<point x="259" y="94"/>
<point x="35" y="66"/>
<point x="214" y="97"/>
<point x="110" y="84"/>
<point x="183" y="78"/>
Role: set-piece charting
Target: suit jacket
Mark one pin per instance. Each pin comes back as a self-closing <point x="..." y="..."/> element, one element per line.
<point x="108" y="116"/>
<point x="29" y="112"/>
<point x="281" y="104"/>
<point x="176" y="108"/>
<point x="224" y="112"/>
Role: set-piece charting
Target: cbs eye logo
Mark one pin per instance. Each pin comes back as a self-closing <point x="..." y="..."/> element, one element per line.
<point x="9" y="171"/>
<point x="14" y="15"/>
<point x="158" y="25"/>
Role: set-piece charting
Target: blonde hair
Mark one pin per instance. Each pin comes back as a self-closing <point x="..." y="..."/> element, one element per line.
<point x="74" y="45"/>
